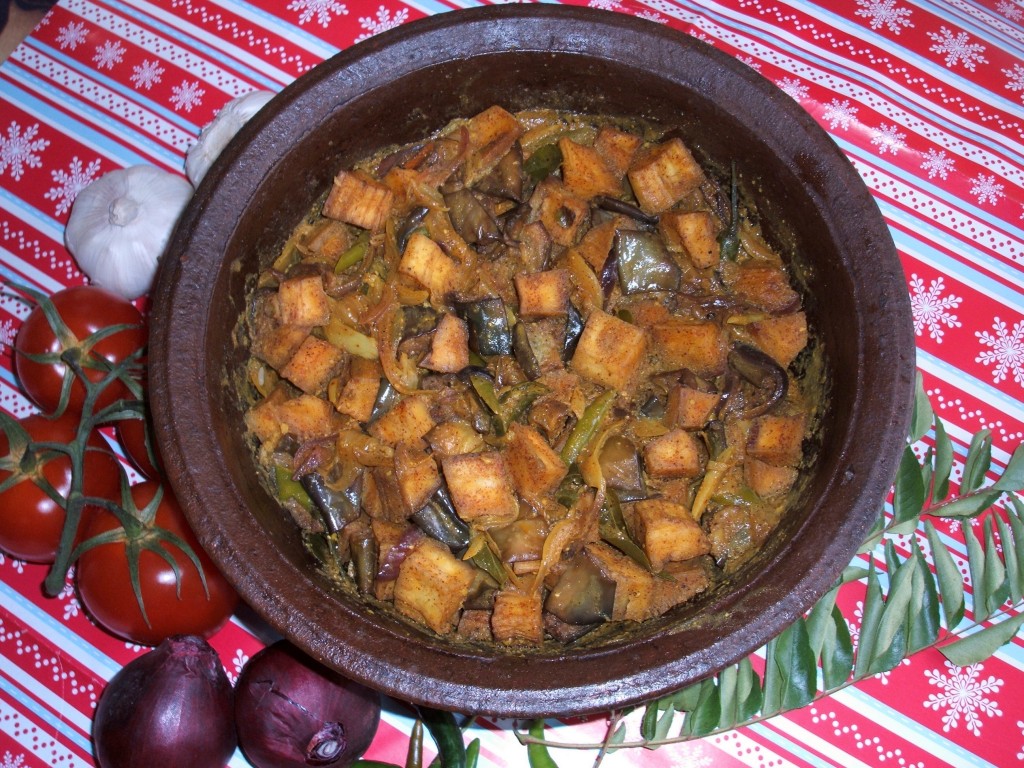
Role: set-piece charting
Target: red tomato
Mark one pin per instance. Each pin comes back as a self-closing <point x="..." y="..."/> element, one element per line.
<point x="30" y="521"/>
<point x="105" y="589"/>
<point x="136" y="437"/>
<point x="85" y="309"/>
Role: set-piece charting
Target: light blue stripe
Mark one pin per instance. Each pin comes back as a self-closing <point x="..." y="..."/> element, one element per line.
<point x="132" y="95"/>
<point x="932" y="189"/>
<point x="120" y="152"/>
<point x="778" y="737"/>
<point x="32" y="216"/>
<point x="922" y="249"/>
<point x="214" y="54"/>
<point x="57" y="632"/>
<point x="981" y="389"/>
<point x="54" y="721"/>
<point x="835" y="66"/>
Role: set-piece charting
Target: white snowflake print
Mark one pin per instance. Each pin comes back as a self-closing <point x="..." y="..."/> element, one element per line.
<point x="7" y="334"/>
<point x="19" y="150"/>
<point x="605" y="5"/>
<point x="1006" y="350"/>
<point x="957" y="48"/>
<point x="987" y="189"/>
<point x="70" y="183"/>
<point x="1020" y="754"/>
<point x="12" y="761"/>
<point x="793" y="88"/>
<point x="888" y="138"/>
<point x="383" y="22"/>
<point x="963" y="694"/>
<point x="321" y="9"/>
<point x="187" y="95"/>
<point x="71" y="35"/>
<point x="108" y="54"/>
<point x="931" y="309"/>
<point x="937" y="163"/>
<point x="1012" y="12"/>
<point x="147" y="74"/>
<point x="17" y="565"/>
<point x="839" y="114"/>
<point x="657" y="18"/>
<point x="1015" y="83"/>
<point x="237" y="663"/>
<point x="884" y="13"/>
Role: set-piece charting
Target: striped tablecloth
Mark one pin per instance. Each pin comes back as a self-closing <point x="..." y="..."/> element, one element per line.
<point x="924" y="96"/>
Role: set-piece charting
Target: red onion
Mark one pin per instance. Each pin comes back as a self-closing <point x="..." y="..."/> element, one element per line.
<point x="291" y="711"/>
<point x="168" y="708"/>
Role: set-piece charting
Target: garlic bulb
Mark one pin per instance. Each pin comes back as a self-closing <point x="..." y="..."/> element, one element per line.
<point x="120" y="224"/>
<point x="217" y="133"/>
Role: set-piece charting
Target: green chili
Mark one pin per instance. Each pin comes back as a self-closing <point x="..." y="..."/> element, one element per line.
<point x="290" y="489"/>
<point x="612" y="527"/>
<point x="490" y="563"/>
<point x="451" y="748"/>
<point x="353" y="255"/>
<point x="587" y="427"/>
<point x="538" y="753"/>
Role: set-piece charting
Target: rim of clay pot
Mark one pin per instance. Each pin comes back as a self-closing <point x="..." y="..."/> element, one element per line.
<point x="194" y="351"/>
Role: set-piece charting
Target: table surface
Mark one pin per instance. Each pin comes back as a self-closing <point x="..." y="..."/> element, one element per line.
<point x="925" y="97"/>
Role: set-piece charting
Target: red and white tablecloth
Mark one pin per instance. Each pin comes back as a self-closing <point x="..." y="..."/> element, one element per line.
<point x="926" y="97"/>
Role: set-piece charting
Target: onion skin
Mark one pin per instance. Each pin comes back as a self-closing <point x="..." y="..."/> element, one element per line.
<point x="291" y="711"/>
<point x="171" y="707"/>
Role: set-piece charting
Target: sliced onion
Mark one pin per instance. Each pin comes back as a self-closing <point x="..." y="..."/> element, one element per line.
<point x="168" y="708"/>
<point x="291" y="711"/>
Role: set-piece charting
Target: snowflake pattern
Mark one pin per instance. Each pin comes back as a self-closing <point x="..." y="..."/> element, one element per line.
<point x="71" y="35"/>
<point x="383" y="22"/>
<point x="147" y="74"/>
<point x="839" y="114"/>
<point x="793" y="88"/>
<point x="1006" y="350"/>
<point x="884" y="13"/>
<point x="605" y="5"/>
<point x="322" y="10"/>
<point x="108" y="54"/>
<point x="19" y="150"/>
<point x="1012" y="12"/>
<point x="931" y="309"/>
<point x="240" y="659"/>
<point x="987" y="189"/>
<point x="888" y="138"/>
<point x="963" y="693"/>
<point x="187" y="95"/>
<point x="957" y="48"/>
<point x="12" y="760"/>
<point x="1015" y="79"/>
<point x="70" y="183"/>
<point x="7" y="334"/>
<point x="937" y="163"/>
<point x="1020" y="754"/>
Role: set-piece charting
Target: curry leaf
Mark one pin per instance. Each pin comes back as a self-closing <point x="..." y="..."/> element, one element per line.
<point x="982" y="644"/>
<point x="818" y="621"/>
<point x="994" y="578"/>
<point x="748" y="691"/>
<point x="1014" y="584"/>
<point x="943" y="463"/>
<point x="1012" y="478"/>
<point x="728" y="714"/>
<point x="967" y="506"/>
<point x="872" y="614"/>
<point x="922" y="414"/>
<point x="891" y="641"/>
<point x="977" y="463"/>
<point x="793" y="670"/>
<point x="909" y="493"/>
<point x="704" y="717"/>
<point x="976" y="566"/>
<point x="951" y="585"/>
<point x="923" y="624"/>
<point x="837" y="654"/>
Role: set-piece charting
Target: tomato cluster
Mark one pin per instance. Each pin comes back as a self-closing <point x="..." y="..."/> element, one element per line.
<point x="79" y="357"/>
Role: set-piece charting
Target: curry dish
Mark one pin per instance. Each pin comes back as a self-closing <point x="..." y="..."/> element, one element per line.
<point x="533" y="374"/>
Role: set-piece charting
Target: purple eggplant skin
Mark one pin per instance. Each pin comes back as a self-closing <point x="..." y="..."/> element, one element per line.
<point x="170" y="707"/>
<point x="292" y="711"/>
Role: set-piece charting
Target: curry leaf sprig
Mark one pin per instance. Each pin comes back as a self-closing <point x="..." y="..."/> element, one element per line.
<point x="914" y="608"/>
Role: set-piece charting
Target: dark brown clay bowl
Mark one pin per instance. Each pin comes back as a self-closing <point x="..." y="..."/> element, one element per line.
<point x="398" y="87"/>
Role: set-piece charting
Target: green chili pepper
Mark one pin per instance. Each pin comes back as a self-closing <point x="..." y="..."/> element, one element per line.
<point x="538" y="753"/>
<point x="483" y="385"/>
<point x="517" y="400"/>
<point x="587" y="427"/>
<point x="612" y="527"/>
<point x="451" y="748"/>
<point x="571" y="487"/>
<point x="489" y="563"/>
<point x="290" y="489"/>
<point x="354" y="254"/>
<point x="543" y="162"/>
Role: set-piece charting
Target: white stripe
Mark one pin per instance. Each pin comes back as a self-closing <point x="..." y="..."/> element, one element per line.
<point x="963" y="381"/>
<point x="56" y="703"/>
